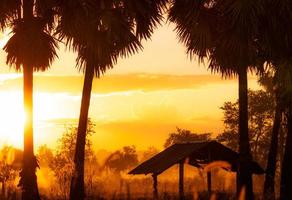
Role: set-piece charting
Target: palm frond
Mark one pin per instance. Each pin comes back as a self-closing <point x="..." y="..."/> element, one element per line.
<point x="8" y="11"/>
<point x="30" y="45"/>
<point x="146" y="14"/>
<point x="195" y="25"/>
<point x="276" y="37"/>
<point x="101" y="31"/>
<point x="224" y="31"/>
<point x="47" y="10"/>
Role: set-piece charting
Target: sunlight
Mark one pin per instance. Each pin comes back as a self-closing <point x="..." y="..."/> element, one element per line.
<point x="12" y="119"/>
<point x="4" y="37"/>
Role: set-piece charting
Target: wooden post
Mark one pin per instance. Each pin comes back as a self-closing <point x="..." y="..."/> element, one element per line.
<point x="209" y="174"/>
<point x="209" y="181"/>
<point x="238" y="189"/>
<point x="155" y="190"/>
<point x="181" y="180"/>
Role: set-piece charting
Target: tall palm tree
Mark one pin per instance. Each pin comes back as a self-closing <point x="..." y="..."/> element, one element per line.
<point x="225" y="32"/>
<point x="31" y="48"/>
<point x="268" y="81"/>
<point x="101" y="31"/>
<point x="276" y="43"/>
<point x="286" y="95"/>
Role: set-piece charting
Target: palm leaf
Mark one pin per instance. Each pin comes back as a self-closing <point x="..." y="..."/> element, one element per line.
<point x="224" y="31"/>
<point x="30" y="45"/>
<point x="145" y="13"/>
<point x="46" y="9"/>
<point x="101" y="31"/>
<point x="8" y="11"/>
<point x="195" y="25"/>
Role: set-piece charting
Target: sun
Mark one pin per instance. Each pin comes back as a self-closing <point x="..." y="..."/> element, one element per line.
<point x="12" y="116"/>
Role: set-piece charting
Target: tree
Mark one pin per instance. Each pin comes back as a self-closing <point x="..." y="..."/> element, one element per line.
<point x="62" y="161"/>
<point x="286" y="96"/>
<point x="226" y="33"/>
<point x="122" y="160"/>
<point x="261" y="109"/>
<point x="185" y="136"/>
<point x="100" y="31"/>
<point x="31" y="48"/>
<point x="45" y="156"/>
<point x="8" y="168"/>
<point x="275" y="46"/>
<point x="267" y="80"/>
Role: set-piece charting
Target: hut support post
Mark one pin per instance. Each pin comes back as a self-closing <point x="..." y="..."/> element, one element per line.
<point x="181" y="180"/>
<point x="209" y="181"/>
<point x="209" y="175"/>
<point x="155" y="190"/>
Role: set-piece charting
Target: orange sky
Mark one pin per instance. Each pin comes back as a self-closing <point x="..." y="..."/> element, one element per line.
<point x="139" y="102"/>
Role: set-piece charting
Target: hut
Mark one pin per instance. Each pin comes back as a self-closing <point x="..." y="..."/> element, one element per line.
<point x="197" y="154"/>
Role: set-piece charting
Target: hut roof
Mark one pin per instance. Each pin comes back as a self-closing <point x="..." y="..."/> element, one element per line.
<point x="198" y="153"/>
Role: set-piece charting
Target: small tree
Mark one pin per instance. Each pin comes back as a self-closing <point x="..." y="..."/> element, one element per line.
<point x="122" y="160"/>
<point x="184" y="136"/>
<point x="62" y="163"/>
<point x="9" y="168"/>
<point x="260" y="112"/>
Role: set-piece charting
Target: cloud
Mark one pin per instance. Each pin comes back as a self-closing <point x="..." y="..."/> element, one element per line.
<point x="115" y="83"/>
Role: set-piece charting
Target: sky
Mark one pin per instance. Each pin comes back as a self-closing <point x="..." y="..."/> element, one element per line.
<point x="139" y="102"/>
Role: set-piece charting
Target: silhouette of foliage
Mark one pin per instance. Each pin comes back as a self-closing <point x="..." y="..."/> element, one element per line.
<point x="9" y="168"/>
<point x="122" y="160"/>
<point x="45" y="156"/>
<point x="61" y="162"/>
<point x="184" y="136"/>
<point x="261" y="109"/>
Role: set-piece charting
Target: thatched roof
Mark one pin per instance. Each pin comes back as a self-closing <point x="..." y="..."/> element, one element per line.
<point x="197" y="153"/>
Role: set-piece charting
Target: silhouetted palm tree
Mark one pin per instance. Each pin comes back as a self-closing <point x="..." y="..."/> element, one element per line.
<point x="225" y="32"/>
<point x="101" y="31"/>
<point x="268" y="81"/>
<point x="31" y="48"/>
<point x="276" y="43"/>
<point x="284" y="83"/>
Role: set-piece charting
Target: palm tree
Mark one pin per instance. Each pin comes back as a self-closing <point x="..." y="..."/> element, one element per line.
<point x="286" y="171"/>
<point x="31" y="48"/>
<point x="276" y="42"/>
<point x="100" y="32"/>
<point x="267" y="80"/>
<point x="225" y="32"/>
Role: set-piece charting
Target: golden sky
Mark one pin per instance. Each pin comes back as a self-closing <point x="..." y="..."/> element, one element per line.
<point x="139" y="102"/>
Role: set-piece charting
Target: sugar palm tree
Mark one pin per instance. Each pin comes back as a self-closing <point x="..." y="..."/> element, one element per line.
<point x="268" y="81"/>
<point x="31" y="48"/>
<point x="276" y="43"/>
<point x="285" y="85"/>
<point x="101" y="31"/>
<point x="224" y="32"/>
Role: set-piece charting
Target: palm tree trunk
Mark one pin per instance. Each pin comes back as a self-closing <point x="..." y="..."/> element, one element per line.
<point x="3" y="193"/>
<point x="28" y="180"/>
<point x="77" y="182"/>
<point x="28" y="177"/>
<point x="286" y="180"/>
<point x="244" y="173"/>
<point x="269" y="185"/>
